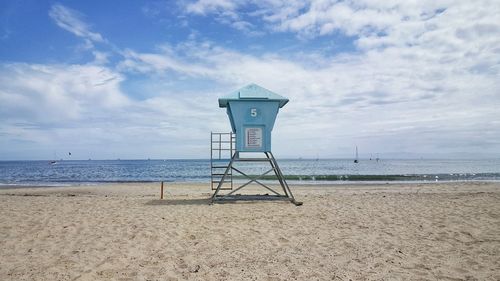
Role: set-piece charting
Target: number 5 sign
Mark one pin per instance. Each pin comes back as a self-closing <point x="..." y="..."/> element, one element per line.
<point x="253" y="112"/>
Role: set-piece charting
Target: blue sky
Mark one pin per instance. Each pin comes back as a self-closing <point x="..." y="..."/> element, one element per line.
<point x="140" y="79"/>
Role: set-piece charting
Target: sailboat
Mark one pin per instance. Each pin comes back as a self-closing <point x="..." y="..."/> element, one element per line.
<point x="356" y="159"/>
<point x="53" y="162"/>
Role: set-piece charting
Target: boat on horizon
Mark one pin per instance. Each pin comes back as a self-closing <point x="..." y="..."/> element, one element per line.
<point x="54" y="161"/>
<point x="356" y="159"/>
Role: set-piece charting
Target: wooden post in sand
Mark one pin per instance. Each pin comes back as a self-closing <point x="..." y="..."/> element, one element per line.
<point x="161" y="195"/>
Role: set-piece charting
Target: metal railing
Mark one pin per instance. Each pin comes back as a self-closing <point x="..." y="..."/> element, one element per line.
<point x="222" y="148"/>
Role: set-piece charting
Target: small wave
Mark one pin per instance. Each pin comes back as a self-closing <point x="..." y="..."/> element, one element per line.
<point x="399" y="178"/>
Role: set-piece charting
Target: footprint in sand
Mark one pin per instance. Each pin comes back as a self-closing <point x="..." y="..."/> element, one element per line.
<point x="283" y="240"/>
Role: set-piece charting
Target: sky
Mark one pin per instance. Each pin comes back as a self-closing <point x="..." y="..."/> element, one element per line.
<point x="141" y="79"/>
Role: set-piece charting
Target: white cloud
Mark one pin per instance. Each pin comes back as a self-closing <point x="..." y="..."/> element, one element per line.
<point x="226" y="11"/>
<point x="354" y="18"/>
<point x="71" y="20"/>
<point x="208" y="6"/>
<point x="57" y="93"/>
<point x="159" y="62"/>
<point x="82" y="108"/>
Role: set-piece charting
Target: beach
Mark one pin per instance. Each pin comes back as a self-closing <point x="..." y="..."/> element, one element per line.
<point x="410" y="231"/>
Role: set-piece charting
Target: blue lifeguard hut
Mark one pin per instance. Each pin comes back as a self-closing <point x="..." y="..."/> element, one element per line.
<point x="252" y="112"/>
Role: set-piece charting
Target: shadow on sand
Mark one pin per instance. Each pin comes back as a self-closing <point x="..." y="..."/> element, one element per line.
<point x="174" y="202"/>
<point x="201" y="201"/>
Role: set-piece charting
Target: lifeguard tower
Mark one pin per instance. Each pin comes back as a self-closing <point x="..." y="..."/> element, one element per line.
<point x="252" y="111"/>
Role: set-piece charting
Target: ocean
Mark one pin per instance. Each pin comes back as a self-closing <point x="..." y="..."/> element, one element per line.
<point x="71" y="172"/>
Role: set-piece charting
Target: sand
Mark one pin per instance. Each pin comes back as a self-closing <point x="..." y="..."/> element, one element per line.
<point x="342" y="232"/>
